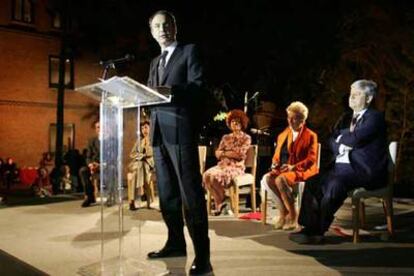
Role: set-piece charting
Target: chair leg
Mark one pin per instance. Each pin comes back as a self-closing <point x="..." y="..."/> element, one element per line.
<point x="253" y="195"/>
<point x="300" y="188"/>
<point x="389" y="213"/>
<point x="236" y="201"/>
<point x="208" y="202"/>
<point x="355" y="219"/>
<point x="362" y="214"/>
<point x="263" y="207"/>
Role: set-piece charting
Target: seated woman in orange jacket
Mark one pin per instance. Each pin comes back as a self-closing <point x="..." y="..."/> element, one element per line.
<point x="294" y="160"/>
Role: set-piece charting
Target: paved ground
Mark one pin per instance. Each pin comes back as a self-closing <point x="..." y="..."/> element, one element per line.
<point x="57" y="237"/>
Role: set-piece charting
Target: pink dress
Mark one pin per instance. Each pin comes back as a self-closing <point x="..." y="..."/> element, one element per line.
<point x="227" y="168"/>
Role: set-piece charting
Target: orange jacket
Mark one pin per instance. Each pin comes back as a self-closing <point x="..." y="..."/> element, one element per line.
<point x="302" y="153"/>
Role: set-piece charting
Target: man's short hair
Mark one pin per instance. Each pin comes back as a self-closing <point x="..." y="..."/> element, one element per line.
<point x="163" y="12"/>
<point x="369" y="87"/>
<point x="298" y="108"/>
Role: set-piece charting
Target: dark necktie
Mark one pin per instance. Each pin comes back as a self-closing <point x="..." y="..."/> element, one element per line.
<point x="161" y="66"/>
<point x="353" y="122"/>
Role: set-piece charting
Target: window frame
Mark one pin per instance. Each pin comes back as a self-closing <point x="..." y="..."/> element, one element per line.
<point x="22" y="11"/>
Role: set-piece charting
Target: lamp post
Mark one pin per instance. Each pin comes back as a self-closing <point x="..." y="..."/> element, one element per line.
<point x="62" y="60"/>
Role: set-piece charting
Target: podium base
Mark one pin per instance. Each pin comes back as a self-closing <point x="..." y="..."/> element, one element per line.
<point x="123" y="267"/>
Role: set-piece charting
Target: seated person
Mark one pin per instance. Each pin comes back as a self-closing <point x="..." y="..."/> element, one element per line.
<point x="89" y="175"/>
<point x="66" y="183"/>
<point x="10" y="175"/>
<point x="1" y="172"/>
<point x="141" y="168"/>
<point x="42" y="186"/>
<point x="231" y="153"/>
<point x="294" y="160"/>
<point x="361" y="151"/>
<point x="47" y="162"/>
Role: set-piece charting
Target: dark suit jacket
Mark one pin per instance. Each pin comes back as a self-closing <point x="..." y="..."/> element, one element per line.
<point x="93" y="150"/>
<point x="369" y="154"/>
<point x="302" y="153"/>
<point x="176" y="121"/>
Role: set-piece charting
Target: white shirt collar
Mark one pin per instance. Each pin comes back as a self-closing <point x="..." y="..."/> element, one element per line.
<point x="360" y="113"/>
<point x="294" y="134"/>
<point x="170" y="48"/>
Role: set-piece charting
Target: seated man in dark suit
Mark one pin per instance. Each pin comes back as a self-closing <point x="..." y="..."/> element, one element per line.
<point x="360" y="149"/>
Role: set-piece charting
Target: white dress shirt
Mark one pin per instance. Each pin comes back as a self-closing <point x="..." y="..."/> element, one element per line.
<point x="170" y="50"/>
<point x="343" y="155"/>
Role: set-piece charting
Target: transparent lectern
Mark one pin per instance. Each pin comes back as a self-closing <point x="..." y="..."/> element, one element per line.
<point x="114" y="95"/>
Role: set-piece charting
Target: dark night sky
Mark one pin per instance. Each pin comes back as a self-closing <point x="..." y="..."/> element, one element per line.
<point x="273" y="46"/>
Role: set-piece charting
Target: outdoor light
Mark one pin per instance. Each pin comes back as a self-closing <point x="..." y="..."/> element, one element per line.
<point x="54" y="72"/>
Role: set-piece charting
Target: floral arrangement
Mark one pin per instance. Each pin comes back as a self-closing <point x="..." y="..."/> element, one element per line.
<point x="221" y="116"/>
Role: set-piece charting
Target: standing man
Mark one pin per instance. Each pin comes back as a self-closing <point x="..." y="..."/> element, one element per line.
<point x="361" y="151"/>
<point x="174" y="135"/>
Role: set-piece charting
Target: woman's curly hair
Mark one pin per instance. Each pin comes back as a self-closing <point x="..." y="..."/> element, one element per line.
<point x="237" y="114"/>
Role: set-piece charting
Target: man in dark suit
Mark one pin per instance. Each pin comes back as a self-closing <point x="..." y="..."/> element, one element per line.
<point x="87" y="174"/>
<point x="174" y="133"/>
<point x="361" y="154"/>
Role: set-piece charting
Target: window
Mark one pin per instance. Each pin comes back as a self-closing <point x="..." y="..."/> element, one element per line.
<point x="68" y="137"/>
<point x="56" y="21"/>
<point x="23" y="11"/>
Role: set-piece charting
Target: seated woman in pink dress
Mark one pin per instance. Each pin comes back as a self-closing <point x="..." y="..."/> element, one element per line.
<point x="231" y="155"/>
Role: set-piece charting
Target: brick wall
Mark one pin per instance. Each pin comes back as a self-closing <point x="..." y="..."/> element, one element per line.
<point x="28" y="105"/>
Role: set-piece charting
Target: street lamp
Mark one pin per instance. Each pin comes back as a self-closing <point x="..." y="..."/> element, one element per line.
<point x="54" y="72"/>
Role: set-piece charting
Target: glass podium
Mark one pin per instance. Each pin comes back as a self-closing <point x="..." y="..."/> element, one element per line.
<point x="116" y="94"/>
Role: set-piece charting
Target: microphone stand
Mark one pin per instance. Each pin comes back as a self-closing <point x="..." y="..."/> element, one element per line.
<point x="106" y="67"/>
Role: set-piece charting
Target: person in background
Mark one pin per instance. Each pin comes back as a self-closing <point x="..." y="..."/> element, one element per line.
<point x="47" y="162"/>
<point x="361" y="158"/>
<point x="141" y="168"/>
<point x="11" y="175"/>
<point x="42" y="186"/>
<point x="231" y="155"/>
<point x="2" y="181"/>
<point x="174" y="132"/>
<point x="89" y="175"/>
<point x="294" y="160"/>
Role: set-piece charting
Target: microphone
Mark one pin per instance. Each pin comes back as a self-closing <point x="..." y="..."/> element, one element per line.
<point x="112" y="62"/>
<point x="246" y="100"/>
<point x="254" y="96"/>
<point x="259" y="132"/>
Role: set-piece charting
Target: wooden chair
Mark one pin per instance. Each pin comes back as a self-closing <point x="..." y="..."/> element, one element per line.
<point x="202" y="155"/>
<point x="242" y="183"/>
<point x="299" y="187"/>
<point x="245" y="180"/>
<point x="385" y="194"/>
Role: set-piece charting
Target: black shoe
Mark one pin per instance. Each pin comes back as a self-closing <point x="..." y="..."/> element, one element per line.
<point x="218" y="212"/>
<point x="201" y="269"/>
<point x="167" y="252"/>
<point x="132" y="207"/>
<point x="306" y="237"/>
<point x="86" y="203"/>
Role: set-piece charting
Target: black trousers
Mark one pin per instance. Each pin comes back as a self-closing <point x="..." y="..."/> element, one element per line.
<point x="324" y="195"/>
<point x="85" y="178"/>
<point x="180" y="191"/>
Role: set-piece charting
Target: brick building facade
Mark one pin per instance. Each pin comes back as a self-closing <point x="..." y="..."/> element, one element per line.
<point x="29" y="34"/>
